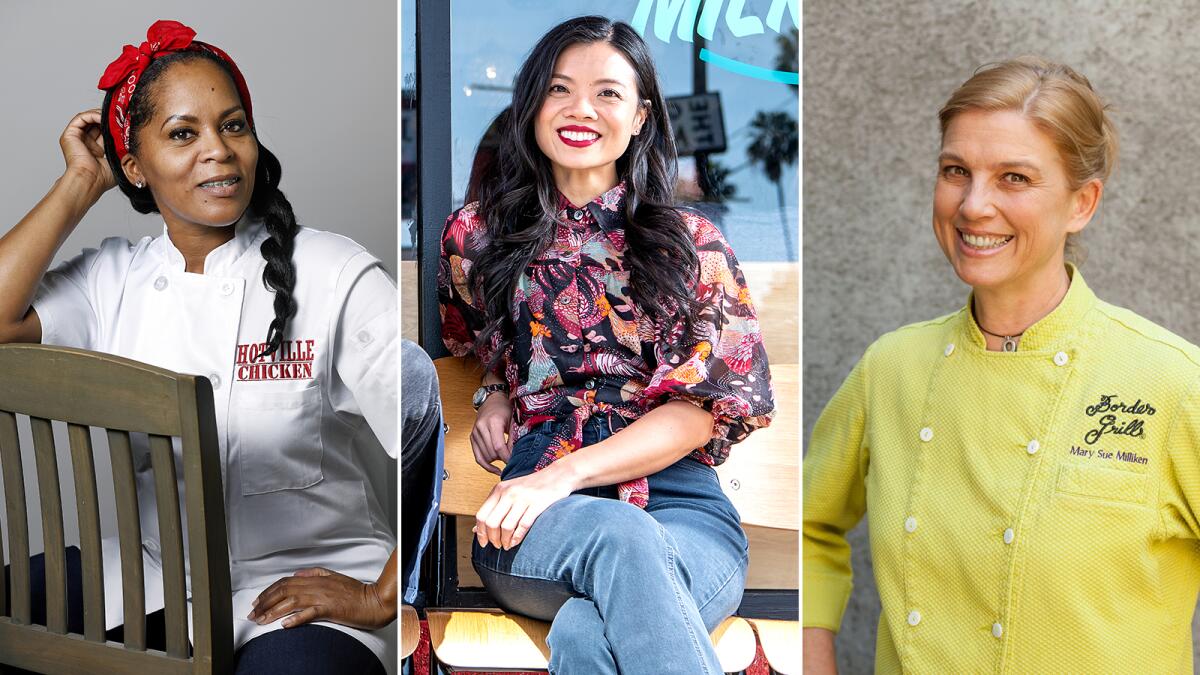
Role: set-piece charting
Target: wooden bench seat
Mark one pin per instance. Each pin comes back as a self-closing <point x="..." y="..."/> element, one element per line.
<point x="515" y="642"/>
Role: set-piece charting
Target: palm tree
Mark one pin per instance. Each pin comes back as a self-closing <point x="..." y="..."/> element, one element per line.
<point x="774" y="146"/>
<point x="788" y="58"/>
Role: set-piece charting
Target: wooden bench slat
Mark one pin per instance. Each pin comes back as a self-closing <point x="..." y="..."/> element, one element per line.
<point x="34" y="648"/>
<point x="88" y="509"/>
<point x="52" y="524"/>
<point x="115" y="392"/>
<point x="170" y="532"/>
<point x="410" y="631"/>
<point x="493" y="640"/>
<point x="208" y="548"/>
<point x="482" y="639"/>
<point x="18" y="521"/>
<point x="129" y="535"/>
<point x="734" y="643"/>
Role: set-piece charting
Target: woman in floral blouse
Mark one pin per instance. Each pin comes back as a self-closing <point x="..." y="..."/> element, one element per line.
<point x="621" y="331"/>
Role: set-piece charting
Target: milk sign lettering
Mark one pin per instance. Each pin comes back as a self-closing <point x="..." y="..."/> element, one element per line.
<point x="701" y="16"/>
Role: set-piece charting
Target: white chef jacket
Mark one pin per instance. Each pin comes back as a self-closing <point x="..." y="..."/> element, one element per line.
<point x="303" y="433"/>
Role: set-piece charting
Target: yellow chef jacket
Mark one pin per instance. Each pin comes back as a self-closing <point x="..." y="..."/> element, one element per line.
<point x="1030" y="512"/>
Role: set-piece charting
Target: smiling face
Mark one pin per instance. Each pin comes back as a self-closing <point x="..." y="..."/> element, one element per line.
<point x="590" y="111"/>
<point x="1003" y="204"/>
<point x="197" y="154"/>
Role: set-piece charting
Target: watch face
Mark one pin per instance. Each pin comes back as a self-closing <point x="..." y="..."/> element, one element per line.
<point x="477" y="399"/>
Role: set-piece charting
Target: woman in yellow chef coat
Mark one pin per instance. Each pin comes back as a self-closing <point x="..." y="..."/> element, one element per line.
<point x="1029" y="463"/>
<point x="295" y="329"/>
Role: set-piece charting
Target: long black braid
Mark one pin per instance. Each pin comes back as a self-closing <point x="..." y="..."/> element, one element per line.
<point x="268" y="201"/>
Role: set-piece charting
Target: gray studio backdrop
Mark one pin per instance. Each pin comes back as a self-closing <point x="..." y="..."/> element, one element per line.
<point x="323" y="80"/>
<point x="875" y="75"/>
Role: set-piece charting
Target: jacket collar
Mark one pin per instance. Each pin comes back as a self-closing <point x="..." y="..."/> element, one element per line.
<point x="220" y="260"/>
<point x="1051" y="331"/>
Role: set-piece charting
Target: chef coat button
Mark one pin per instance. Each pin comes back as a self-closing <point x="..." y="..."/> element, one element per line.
<point x="216" y="380"/>
<point x="927" y="434"/>
<point x="577" y="215"/>
<point x="590" y="384"/>
<point x="227" y="288"/>
<point x="1009" y="535"/>
<point x="151" y="545"/>
<point x="160" y="283"/>
<point x="1061" y="359"/>
<point x="910" y="524"/>
<point x="914" y="618"/>
<point x="1032" y="447"/>
<point x="949" y="349"/>
<point x="364" y="336"/>
<point x="997" y="630"/>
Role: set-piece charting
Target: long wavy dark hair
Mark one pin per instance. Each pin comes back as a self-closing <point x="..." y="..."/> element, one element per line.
<point x="267" y="202"/>
<point x="520" y="205"/>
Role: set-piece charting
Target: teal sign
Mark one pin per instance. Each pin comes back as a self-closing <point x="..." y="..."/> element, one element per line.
<point x="701" y="16"/>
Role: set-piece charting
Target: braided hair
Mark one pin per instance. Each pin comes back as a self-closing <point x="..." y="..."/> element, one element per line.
<point x="268" y="201"/>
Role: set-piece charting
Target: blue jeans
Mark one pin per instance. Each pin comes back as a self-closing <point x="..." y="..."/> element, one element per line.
<point x="627" y="590"/>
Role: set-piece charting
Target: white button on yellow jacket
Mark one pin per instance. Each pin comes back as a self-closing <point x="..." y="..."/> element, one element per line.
<point x="1029" y="512"/>
<point x="305" y="435"/>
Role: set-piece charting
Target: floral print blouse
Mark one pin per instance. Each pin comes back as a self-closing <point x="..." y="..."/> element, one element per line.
<point x="582" y="348"/>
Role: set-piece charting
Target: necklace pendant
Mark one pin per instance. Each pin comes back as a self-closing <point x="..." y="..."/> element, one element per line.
<point x="1010" y="344"/>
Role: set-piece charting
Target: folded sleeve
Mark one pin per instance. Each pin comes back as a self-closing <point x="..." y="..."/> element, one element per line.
<point x="1179" y="505"/>
<point x="725" y="369"/>
<point x="463" y="312"/>
<point x="835" y="469"/>
<point x="66" y="305"/>
<point x="366" y="343"/>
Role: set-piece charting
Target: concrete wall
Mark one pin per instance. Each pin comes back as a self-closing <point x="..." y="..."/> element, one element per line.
<point x="875" y="75"/>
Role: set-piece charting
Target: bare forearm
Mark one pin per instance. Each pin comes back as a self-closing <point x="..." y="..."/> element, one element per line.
<point x="27" y="249"/>
<point x="648" y="445"/>
<point x="387" y="586"/>
<point x="820" y="657"/>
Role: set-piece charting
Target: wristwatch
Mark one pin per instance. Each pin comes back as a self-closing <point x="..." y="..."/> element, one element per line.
<point x="486" y="390"/>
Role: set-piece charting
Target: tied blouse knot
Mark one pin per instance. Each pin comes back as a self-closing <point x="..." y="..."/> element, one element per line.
<point x="583" y="348"/>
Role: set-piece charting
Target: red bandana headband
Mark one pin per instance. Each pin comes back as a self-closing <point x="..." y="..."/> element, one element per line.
<point x="164" y="37"/>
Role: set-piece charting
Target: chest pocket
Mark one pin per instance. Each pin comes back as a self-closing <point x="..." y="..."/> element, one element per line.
<point x="279" y="438"/>
<point x="1105" y="484"/>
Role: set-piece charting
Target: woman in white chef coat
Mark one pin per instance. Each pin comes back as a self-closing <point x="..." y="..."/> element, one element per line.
<point x="295" y="328"/>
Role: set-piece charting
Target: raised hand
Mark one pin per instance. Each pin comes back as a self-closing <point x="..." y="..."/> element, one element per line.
<point x="83" y="149"/>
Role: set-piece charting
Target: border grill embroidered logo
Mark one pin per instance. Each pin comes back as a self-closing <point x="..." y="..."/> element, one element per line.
<point x="1108" y="408"/>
